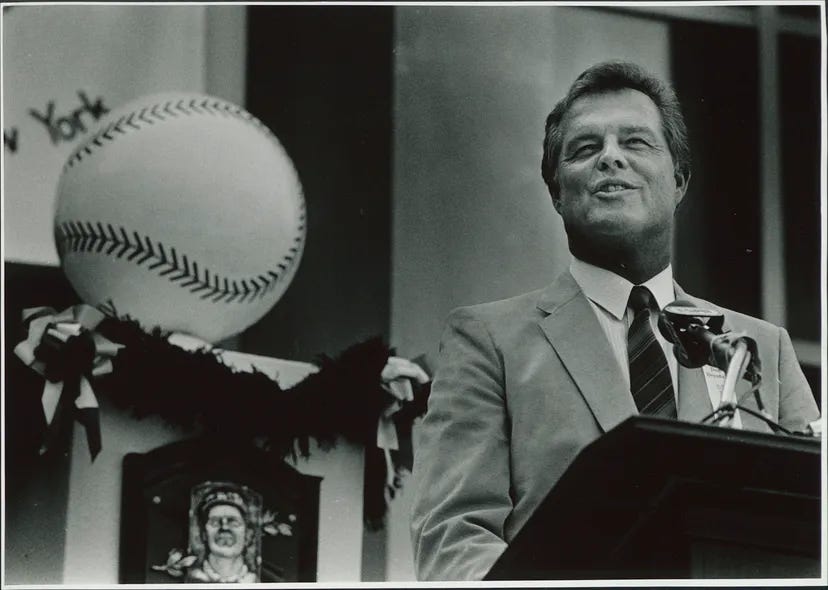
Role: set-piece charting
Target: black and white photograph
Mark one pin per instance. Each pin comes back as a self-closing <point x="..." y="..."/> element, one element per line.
<point x="414" y="292"/>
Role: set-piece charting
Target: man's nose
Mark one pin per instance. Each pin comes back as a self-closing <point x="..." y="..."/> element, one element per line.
<point x="611" y="156"/>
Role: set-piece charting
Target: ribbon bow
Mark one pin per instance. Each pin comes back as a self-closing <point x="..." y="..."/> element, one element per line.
<point x="396" y="377"/>
<point x="65" y="349"/>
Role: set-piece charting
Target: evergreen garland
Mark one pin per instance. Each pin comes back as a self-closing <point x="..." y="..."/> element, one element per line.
<point x="152" y="377"/>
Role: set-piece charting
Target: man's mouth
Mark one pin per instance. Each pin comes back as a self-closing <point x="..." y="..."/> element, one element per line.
<point x="226" y="539"/>
<point x="612" y="186"/>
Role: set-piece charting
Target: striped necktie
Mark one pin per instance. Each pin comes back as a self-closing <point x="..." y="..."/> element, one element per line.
<point x="650" y="382"/>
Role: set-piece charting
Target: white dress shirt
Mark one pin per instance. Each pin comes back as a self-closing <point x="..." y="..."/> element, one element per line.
<point x="608" y="294"/>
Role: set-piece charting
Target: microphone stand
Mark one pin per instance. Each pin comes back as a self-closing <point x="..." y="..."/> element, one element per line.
<point x="737" y="366"/>
<point x="697" y="338"/>
<point x="740" y="363"/>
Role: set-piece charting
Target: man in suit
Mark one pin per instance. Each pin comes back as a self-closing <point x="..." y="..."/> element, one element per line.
<point x="525" y="383"/>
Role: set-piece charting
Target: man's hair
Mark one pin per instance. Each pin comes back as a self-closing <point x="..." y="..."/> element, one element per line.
<point x="608" y="76"/>
<point x="217" y="497"/>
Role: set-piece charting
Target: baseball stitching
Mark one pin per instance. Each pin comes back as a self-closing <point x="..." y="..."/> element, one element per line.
<point x="151" y="114"/>
<point x="167" y="262"/>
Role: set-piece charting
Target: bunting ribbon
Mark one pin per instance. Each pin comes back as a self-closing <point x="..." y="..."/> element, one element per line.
<point x="397" y="378"/>
<point x="65" y="349"/>
<point x="387" y="437"/>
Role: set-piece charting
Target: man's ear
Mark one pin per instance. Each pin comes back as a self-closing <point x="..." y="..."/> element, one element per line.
<point x="682" y="182"/>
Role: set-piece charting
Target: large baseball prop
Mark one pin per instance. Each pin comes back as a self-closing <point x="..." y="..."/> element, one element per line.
<point x="181" y="211"/>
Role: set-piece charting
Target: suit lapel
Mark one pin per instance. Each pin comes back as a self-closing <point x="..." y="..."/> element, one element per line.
<point x="574" y="332"/>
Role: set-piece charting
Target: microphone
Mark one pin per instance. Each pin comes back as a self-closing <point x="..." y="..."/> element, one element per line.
<point x="697" y="337"/>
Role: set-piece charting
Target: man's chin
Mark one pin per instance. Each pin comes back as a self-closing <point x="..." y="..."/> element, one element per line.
<point x="609" y="232"/>
<point x="225" y="546"/>
<point x="606" y="239"/>
<point x="225" y="552"/>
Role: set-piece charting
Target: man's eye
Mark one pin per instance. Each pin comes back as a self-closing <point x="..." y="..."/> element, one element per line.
<point x="637" y="141"/>
<point x="585" y="150"/>
<point x="232" y="522"/>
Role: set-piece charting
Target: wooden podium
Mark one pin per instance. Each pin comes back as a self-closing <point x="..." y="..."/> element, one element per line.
<point x="657" y="498"/>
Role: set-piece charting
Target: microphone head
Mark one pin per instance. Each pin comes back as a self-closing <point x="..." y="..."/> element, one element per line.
<point x="687" y="326"/>
<point x="681" y="314"/>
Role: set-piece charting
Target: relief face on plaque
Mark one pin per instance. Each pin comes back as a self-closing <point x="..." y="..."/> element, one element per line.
<point x="202" y="511"/>
<point x="226" y="524"/>
<point x="225" y="533"/>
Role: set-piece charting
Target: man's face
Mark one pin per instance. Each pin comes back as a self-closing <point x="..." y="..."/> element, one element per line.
<point x="226" y="531"/>
<point x="616" y="175"/>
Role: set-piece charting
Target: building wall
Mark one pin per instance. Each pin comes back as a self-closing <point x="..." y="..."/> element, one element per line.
<point x="320" y="78"/>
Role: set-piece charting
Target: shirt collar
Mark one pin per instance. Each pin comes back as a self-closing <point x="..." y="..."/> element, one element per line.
<point x="611" y="291"/>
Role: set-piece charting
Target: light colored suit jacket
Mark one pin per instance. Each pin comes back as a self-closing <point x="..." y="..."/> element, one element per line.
<point x="522" y="386"/>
